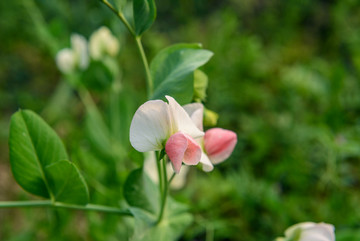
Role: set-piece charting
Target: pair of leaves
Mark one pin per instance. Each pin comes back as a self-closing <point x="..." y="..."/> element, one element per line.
<point x="39" y="161"/>
<point x="144" y="198"/>
<point x="172" y="71"/>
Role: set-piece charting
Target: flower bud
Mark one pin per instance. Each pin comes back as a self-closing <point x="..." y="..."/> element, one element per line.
<point x="80" y="49"/>
<point x="219" y="144"/>
<point x="309" y="231"/>
<point x="210" y="117"/>
<point x="65" y="60"/>
<point x="200" y="85"/>
<point x="103" y="43"/>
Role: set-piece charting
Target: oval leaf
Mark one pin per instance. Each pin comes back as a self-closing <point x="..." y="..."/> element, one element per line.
<point x="33" y="146"/>
<point x="144" y="15"/>
<point x="172" y="71"/>
<point x="66" y="183"/>
<point x="38" y="161"/>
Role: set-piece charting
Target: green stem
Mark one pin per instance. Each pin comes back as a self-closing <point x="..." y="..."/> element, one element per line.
<point x="139" y="45"/>
<point x="120" y="15"/>
<point x="164" y="193"/>
<point x="149" y="81"/>
<point x="87" y="99"/>
<point x="160" y="173"/>
<point x="48" y="203"/>
<point x="172" y="177"/>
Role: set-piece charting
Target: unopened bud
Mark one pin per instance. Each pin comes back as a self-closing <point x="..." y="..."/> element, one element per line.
<point x="210" y="117"/>
<point x="200" y="85"/>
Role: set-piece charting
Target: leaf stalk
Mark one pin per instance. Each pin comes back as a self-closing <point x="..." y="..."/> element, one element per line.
<point x="49" y="203"/>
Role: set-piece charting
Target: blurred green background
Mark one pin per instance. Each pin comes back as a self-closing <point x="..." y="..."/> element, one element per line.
<point x="284" y="77"/>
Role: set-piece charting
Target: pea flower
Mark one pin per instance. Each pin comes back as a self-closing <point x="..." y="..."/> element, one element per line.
<point x="217" y="143"/>
<point x="69" y="59"/>
<point x="157" y="125"/>
<point x="103" y="43"/>
<point x="309" y="231"/>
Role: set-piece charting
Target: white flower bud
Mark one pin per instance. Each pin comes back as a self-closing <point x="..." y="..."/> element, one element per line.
<point x="65" y="60"/>
<point x="103" y="43"/>
<point x="79" y="46"/>
<point x="309" y="231"/>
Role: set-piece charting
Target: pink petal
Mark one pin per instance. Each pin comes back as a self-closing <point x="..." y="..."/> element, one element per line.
<point x="193" y="152"/>
<point x="182" y="148"/>
<point x="219" y="144"/>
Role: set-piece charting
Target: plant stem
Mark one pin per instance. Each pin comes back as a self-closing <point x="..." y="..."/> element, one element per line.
<point x="120" y="15"/>
<point x="172" y="177"/>
<point x="14" y="204"/>
<point x="139" y="45"/>
<point x="149" y="81"/>
<point x="164" y="193"/>
<point x="48" y="203"/>
<point x="160" y="173"/>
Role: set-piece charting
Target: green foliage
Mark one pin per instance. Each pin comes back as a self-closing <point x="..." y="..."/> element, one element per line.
<point x="175" y="221"/>
<point x="98" y="132"/>
<point x="284" y="77"/>
<point x="141" y="192"/>
<point x="143" y="196"/>
<point x="172" y="71"/>
<point x="97" y="76"/>
<point x="144" y="15"/>
<point x="33" y="146"/>
<point x="66" y="183"/>
<point x="38" y="161"/>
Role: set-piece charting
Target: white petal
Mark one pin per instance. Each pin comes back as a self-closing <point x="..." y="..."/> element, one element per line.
<point x="80" y="48"/>
<point x="290" y="230"/>
<point x="207" y="166"/>
<point x="320" y="232"/>
<point x="96" y="45"/>
<point x="196" y="113"/>
<point x="65" y="60"/>
<point x="102" y="42"/>
<point x="310" y="231"/>
<point x="180" y="120"/>
<point x="150" y="126"/>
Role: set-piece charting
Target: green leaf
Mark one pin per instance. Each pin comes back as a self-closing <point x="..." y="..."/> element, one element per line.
<point x="141" y="192"/>
<point x="172" y="226"/>
<point x="144" y="15"/>
<point x="143" y="196"/>
<point x="66" y="183"/>
<point x="39" y="161"/>
<point x="33" y="146"/>
<point x="172" y="71"/>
